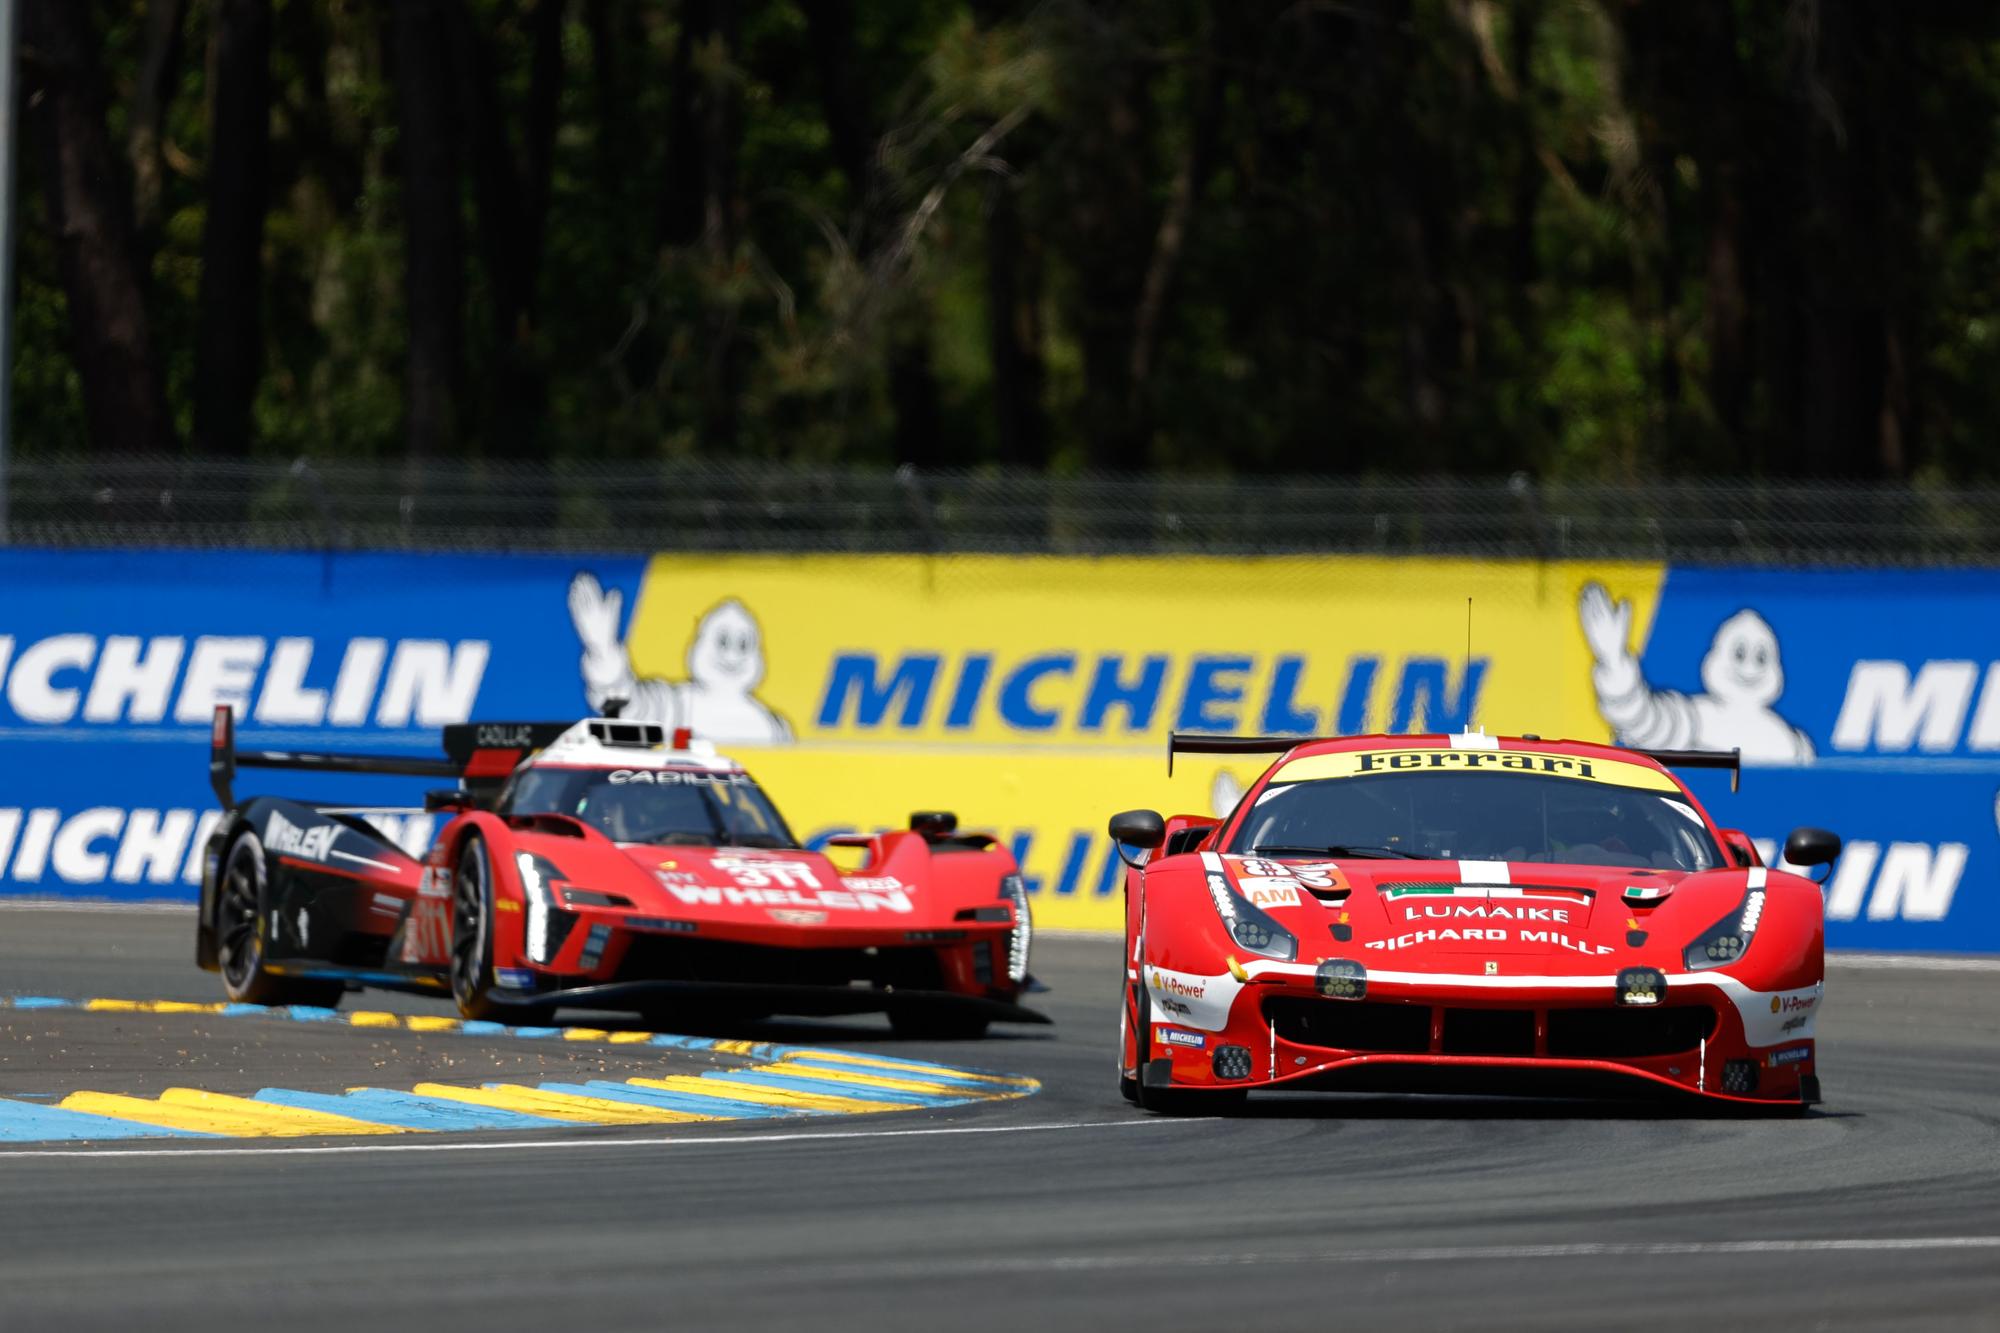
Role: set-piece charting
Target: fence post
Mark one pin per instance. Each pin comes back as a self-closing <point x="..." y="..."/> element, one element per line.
<point x="9" y="135"/>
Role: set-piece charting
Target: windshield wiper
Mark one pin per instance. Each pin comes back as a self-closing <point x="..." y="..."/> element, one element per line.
<point x="1338" y="849"/>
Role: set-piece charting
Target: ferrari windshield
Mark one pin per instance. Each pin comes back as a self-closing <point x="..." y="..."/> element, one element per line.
<point x="1477" y="816"/>
<point x="660" y="806"/>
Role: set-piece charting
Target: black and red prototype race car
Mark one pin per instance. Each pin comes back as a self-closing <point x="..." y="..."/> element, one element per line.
<point x="1413" y="913"/>
<point x="603" y="864"/>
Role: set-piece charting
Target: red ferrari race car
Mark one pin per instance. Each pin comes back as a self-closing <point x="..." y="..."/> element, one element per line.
<point x="600" y="864"/>
<point x="1465" y="912"/>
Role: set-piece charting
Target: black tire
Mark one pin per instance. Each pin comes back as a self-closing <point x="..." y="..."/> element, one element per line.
<point x="1177" y="1101"/>
<point x="472" y="944"/>
<point x="239" y="935"/>
<point x="940" y="1024"/>
<point x="1128" y="1088"/>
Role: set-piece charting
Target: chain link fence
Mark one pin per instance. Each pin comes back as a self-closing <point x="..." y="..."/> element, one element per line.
<point x="710" y="506"/>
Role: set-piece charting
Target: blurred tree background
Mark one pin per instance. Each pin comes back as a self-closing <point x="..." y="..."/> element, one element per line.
<point x="1583" y="238"/>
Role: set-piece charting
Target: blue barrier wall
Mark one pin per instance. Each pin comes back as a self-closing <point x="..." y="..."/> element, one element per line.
<point x="1867" y="702"/>
<point x="113" y="663"/>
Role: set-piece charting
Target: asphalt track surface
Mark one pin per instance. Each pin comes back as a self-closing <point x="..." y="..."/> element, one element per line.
<point x="1063" y="1210"/>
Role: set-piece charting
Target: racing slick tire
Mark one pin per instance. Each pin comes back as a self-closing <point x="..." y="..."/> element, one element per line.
<point x="472" y="944"/>
<point x="239" y="933"/>
<point x="1176" y="1101"/>
<point x="940" y="1024"/>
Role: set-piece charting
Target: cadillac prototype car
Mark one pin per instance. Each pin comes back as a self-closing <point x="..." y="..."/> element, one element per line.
<point x="604" y="864"/>
<point x="1465" y="912"/>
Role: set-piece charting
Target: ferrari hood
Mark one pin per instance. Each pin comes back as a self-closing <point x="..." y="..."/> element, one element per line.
<point x="1449" y="915"/>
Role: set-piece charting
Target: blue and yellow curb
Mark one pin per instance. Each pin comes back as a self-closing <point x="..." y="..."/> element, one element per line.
<point x="787" y="1081"/>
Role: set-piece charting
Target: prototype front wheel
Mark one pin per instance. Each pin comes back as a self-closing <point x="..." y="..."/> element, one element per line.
<point x="239" y="933"/>
<point x="472" y="942"/>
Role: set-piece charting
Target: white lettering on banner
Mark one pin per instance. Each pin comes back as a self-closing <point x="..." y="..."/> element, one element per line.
<point x="1916" y="884"/>
<point x="221" y="670"/>
<point x="712" y="895"/>
<point x="412" y="833"/>
<point x="152" y="846"/>
<point x="285" y="700"/>
<point x="149" y="846"/>
<point x="124" y="677"/>
<point x="33" y="856"/>
<point x="57" y="680"/>
<point x="360" y="669"/>
<point x="31" y="689"/>
<point x="435" y="680"/>
<point x="76" y="858"/>
<point x="1886" y="710"/>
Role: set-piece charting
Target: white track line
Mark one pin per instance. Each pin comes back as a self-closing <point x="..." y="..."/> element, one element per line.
<point x="488" y="1145"/>
<point x="1000" y="1266"/>
<point x="149" y="907"/>
<point x="1915" y="962"/>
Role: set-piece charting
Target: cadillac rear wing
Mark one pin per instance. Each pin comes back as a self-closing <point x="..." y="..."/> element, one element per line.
<point x="479" y="754"/>
<point x="1182" y="743"/>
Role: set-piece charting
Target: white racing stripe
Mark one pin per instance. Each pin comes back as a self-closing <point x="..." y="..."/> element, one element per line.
<point x="524" y="1145"/>
<point x="997" y="1265"/>
<point x="1483" y="872"/>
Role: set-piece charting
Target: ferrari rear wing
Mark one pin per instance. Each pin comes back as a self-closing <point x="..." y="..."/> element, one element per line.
<point x="1182" y="743"/>
<point x="476" y="753"/>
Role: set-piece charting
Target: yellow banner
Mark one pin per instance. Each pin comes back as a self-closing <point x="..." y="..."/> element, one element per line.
<point x="1034" y="695"/>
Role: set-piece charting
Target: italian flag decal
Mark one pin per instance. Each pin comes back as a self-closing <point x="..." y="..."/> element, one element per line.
<point x="1583" y="897"/>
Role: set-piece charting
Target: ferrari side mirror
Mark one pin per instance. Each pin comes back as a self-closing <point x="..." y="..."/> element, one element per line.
<point x="1741" y="850"/>
<point x="1138" y="834"/>
<point x="447" y="798"/>
<point x="1812" y="847"/>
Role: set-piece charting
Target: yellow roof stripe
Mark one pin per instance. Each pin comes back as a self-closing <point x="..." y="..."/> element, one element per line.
<point x="1414" y="759"/>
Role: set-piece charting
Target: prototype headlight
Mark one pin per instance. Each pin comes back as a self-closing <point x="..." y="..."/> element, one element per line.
<point x="1022" y="937"/>
<point x="537" y="873"/>
<point x="1728" y="939"/>
<point x="1250" y="926"/>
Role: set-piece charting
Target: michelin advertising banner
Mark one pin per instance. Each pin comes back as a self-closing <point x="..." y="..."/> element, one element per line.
<point x="1031" y="695"/>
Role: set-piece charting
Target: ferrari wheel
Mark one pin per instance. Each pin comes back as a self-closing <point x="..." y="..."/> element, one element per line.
<point x="472" y="944"/>
<point x="943" y="1024"/>
<point x="1128" y="1087"/>
<point x="239" y="932"/>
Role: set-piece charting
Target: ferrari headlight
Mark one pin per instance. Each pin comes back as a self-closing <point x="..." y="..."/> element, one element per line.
<point x="1250" y="926"/>
<point x="1022" y="937"/>
<point x="1728" y="939"/>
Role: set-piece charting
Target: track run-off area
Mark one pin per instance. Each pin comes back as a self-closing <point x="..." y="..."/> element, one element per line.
<point x="965" y="1204"/>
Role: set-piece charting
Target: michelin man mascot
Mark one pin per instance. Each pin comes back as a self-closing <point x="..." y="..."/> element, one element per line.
<point x="725" y="662"/>
<point x="1741" y="671"/>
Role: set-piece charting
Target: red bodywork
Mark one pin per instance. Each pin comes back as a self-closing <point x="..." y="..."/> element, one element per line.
<point x="1513" y="977"/>
<point x="927" y="917"/>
